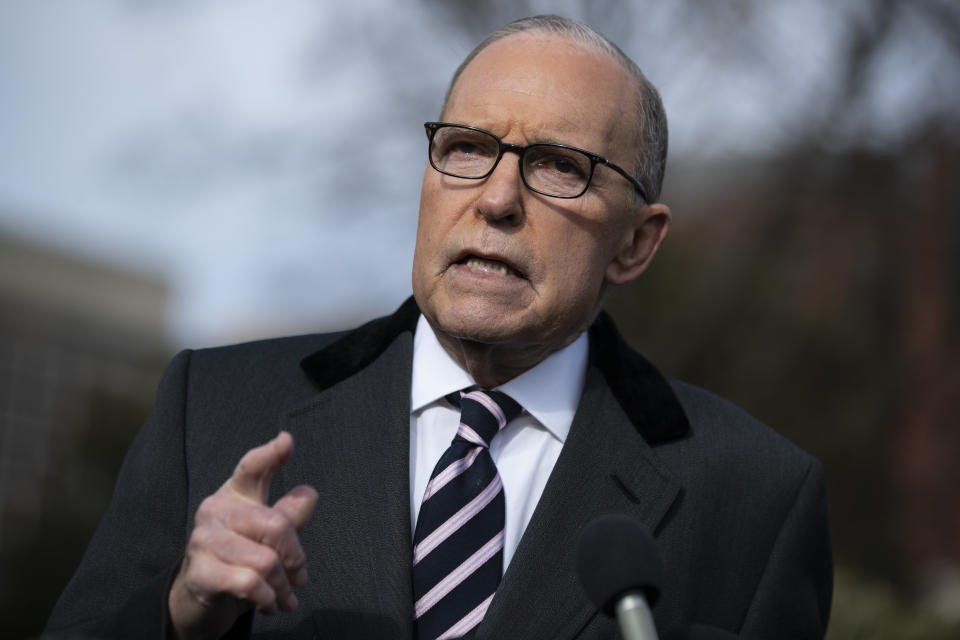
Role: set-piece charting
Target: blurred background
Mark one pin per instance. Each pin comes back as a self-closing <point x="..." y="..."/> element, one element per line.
<point x="182" y="174"/>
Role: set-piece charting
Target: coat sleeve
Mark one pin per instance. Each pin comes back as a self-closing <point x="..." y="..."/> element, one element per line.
<point x="120" y="588"/>
<point x="793" y="596"/>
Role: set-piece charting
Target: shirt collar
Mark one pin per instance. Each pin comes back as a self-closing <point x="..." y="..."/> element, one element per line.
<point x="550" y="391"/>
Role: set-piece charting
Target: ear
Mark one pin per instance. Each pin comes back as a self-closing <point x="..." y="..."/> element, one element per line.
<point x="640" y="243"/>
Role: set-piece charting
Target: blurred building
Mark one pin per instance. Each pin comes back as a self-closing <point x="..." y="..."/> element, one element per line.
<point x="76" y="336"/>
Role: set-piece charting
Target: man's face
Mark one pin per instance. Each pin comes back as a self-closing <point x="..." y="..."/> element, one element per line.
<point x="496" y="263"/>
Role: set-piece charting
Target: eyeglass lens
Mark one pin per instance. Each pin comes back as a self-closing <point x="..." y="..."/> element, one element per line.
<point x="547" y="168"/>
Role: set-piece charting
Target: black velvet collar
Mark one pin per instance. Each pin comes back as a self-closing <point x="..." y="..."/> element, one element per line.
<point x="642" y="391"/>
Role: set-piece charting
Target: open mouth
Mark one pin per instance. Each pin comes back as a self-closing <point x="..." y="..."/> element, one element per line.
<point x="488" y="265"/>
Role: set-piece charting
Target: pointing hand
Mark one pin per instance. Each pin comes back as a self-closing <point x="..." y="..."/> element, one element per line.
<point x="242" y="552"/>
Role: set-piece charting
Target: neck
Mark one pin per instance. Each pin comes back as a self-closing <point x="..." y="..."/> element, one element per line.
<point x="491" y="365"/>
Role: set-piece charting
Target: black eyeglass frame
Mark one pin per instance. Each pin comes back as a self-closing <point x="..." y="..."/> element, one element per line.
<point x="433" y="127"/>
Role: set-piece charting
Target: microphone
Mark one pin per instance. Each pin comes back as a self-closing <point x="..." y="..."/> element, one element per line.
<point x="620" y="570"/>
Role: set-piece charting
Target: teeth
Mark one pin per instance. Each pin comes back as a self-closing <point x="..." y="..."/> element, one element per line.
<point x="490" y="266"/>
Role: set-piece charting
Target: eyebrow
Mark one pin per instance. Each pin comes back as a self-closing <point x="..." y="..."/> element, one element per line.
<point x="491" y="127"/>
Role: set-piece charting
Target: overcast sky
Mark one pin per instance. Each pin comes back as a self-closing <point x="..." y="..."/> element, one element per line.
<point x="216" y="143"/>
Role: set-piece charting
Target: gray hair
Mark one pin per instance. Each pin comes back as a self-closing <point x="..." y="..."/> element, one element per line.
<point x="651" y="119"/>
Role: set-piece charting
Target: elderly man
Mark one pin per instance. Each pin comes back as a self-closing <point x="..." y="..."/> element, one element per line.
<point x="401" y="515"/>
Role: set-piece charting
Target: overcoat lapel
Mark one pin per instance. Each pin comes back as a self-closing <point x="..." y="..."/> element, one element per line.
<point x="605" y="466"/>
<point x="357" y="433"/>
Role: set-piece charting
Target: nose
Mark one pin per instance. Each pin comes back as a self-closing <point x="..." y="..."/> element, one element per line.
<point x="501" y="196"/>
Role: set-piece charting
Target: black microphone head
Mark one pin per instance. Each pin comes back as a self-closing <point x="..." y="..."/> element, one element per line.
<point x="699" y="632"/>
<point x="617" y="554"/>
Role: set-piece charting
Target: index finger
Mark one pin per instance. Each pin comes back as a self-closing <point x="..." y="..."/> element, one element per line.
<point x="251" y="478"/>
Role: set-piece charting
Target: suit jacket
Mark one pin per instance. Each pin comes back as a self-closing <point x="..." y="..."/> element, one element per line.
<point x="738" y="513"/>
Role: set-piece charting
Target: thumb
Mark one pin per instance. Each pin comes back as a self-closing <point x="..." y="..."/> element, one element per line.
<point x="298" y="504"/>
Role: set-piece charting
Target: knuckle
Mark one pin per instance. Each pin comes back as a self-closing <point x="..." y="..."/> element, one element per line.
<point x="275" y="520"/>
<point x="274" y="524"/>
<point x="265" y="561"/>
<point x="212" y="508"/>
<point x="201" y="575"/>
<point x="201" y="538"/>
<point x="245" y="583"/>
<point x="294" y="559"/>
<point x="207" y="508"/>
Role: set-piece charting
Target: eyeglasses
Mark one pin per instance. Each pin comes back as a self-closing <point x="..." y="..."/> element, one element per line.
<point x="555" y="170"/>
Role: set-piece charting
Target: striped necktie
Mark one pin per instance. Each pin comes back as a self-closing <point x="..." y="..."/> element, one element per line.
<point x="458" y="543"/>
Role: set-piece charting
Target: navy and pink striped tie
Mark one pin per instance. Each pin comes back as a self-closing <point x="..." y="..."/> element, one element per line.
<point x="458" y="543"/>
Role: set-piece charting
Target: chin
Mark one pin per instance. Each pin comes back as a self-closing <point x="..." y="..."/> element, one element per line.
<point x="483" y="323"/>
<point x="473" y="330"/>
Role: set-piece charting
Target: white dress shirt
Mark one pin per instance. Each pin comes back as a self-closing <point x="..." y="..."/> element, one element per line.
<point x="524" y="451"/>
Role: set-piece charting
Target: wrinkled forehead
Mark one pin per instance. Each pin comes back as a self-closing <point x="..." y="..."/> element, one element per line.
<point x="547" y="85"/>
